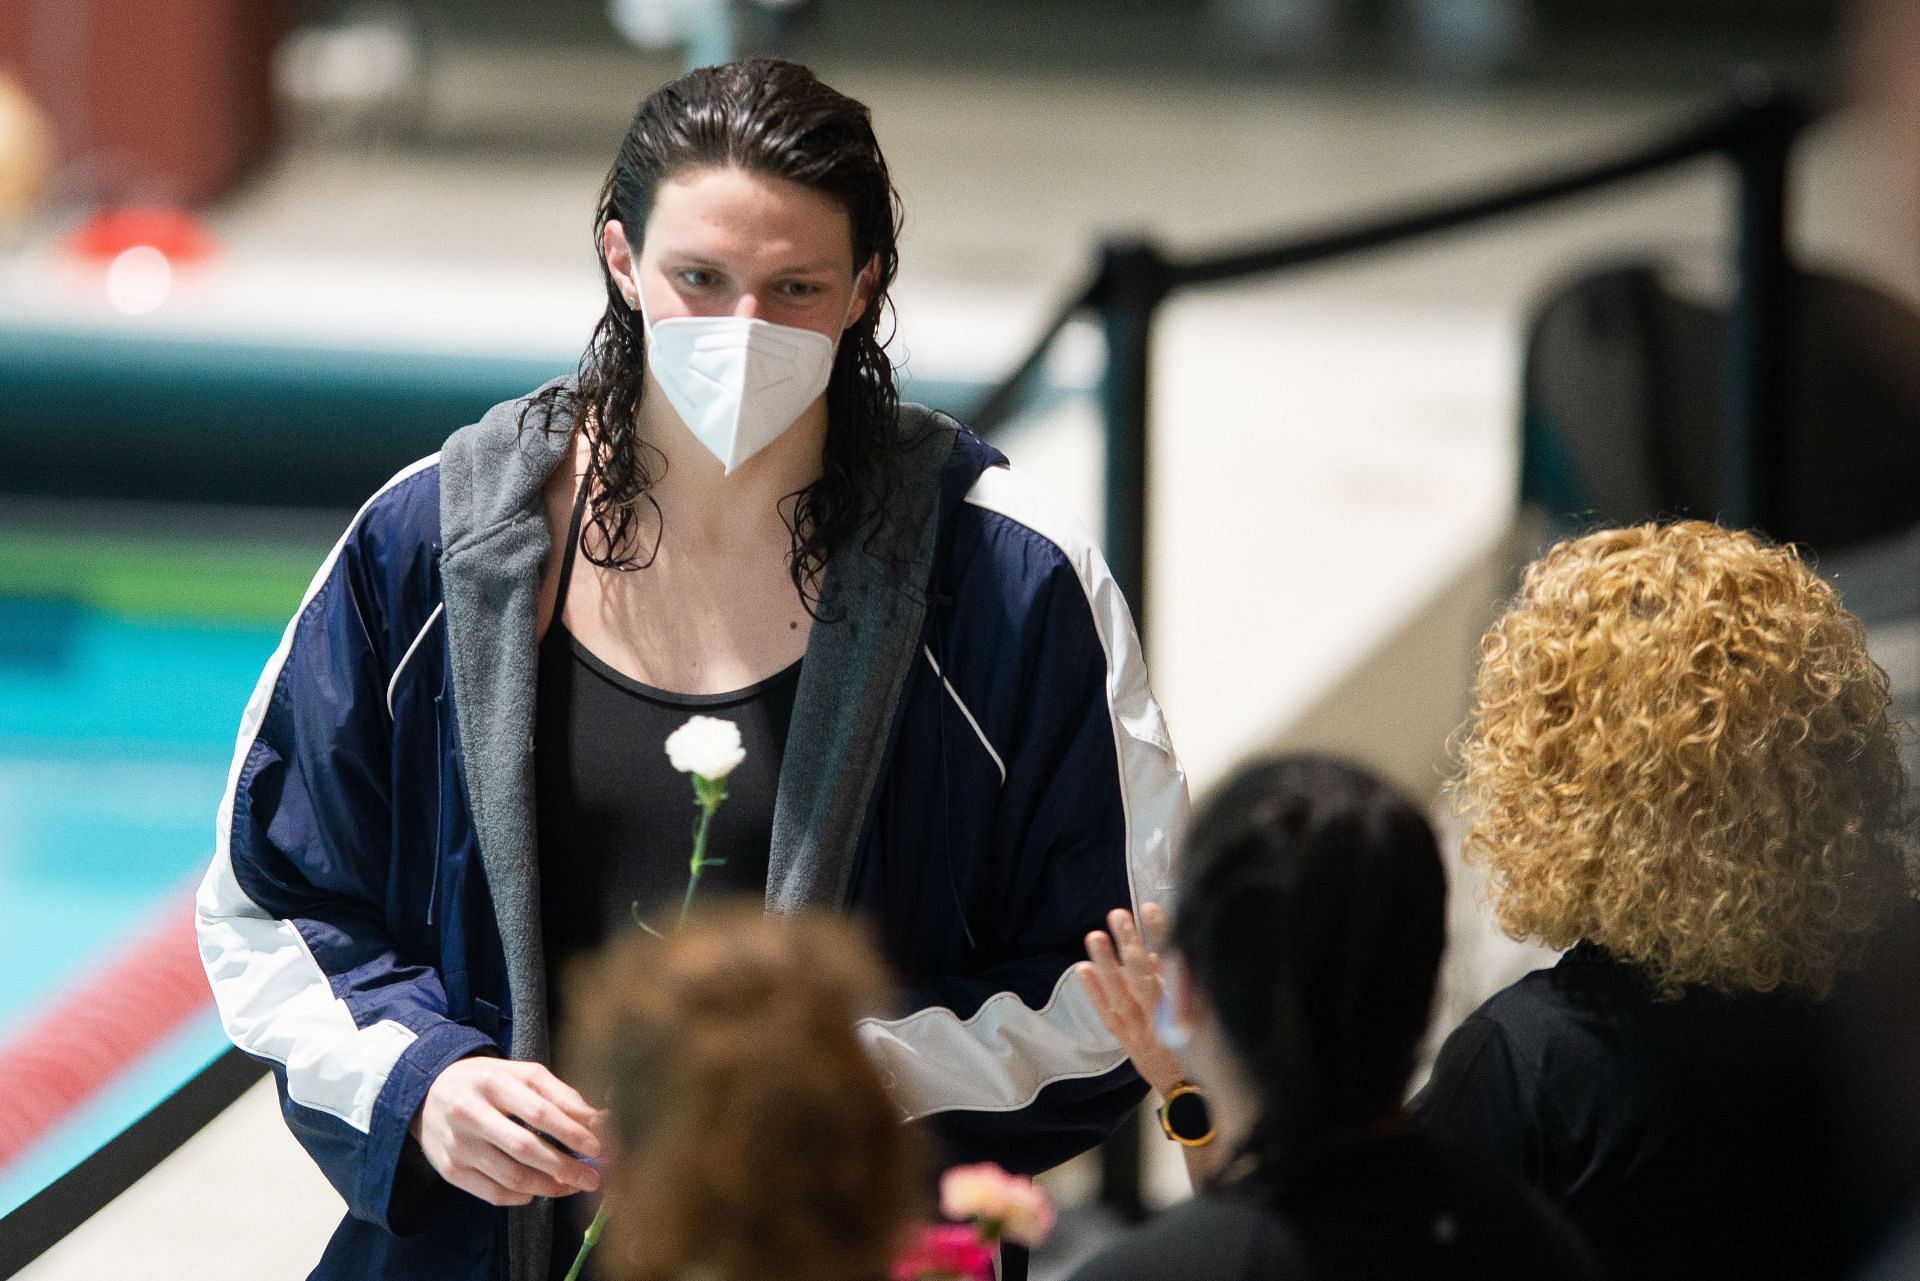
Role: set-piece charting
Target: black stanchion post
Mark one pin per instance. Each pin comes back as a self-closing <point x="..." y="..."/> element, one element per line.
<point x="1134" y="279"/>
<point x="1753" y="428"/>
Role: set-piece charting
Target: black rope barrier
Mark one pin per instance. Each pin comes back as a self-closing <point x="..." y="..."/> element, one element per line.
<point x="1727" y="130"/>
<point x="1711" y="136"/>
<point x="1003" y="401"/>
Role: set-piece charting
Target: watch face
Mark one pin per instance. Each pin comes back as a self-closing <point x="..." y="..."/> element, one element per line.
<point x="1188" y="1117"/>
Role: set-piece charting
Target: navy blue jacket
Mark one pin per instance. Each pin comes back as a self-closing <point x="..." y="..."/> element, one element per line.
<point x="976" y="765"/>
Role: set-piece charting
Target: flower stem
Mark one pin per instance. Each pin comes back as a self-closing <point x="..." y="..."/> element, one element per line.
<point x="587" y="1242"/>
<point x="710" y="793"/>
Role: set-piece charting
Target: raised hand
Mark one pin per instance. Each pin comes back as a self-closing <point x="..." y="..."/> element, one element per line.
<point x="1122" y="976"/>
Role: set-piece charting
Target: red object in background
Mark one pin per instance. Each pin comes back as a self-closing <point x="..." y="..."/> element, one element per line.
<point x="109" y="233"/>
<point x="93" y="1032"/>
<point x="164" y="100"/>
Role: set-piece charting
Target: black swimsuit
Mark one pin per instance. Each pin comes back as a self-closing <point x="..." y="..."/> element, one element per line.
<point x="616" y="819"/>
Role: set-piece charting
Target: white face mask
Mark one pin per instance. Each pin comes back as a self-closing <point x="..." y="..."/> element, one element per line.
<point x="737" y="383"/>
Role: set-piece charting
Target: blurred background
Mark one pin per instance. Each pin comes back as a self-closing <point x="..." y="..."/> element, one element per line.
<point x="256" y="256"/>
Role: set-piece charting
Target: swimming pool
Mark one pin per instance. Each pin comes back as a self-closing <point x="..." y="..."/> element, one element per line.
<point x="125" y="660"/>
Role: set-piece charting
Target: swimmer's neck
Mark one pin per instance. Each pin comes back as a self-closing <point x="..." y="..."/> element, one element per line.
<point x="702" y="506"/>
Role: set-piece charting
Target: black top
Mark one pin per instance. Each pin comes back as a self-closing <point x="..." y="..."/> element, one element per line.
<point x="1686" y="1137"/>
<point x="616" y="819"/>
<point x="1396" y="1206"/>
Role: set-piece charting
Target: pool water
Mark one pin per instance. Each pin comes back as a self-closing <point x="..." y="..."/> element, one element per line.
<point x="122" y="679"/>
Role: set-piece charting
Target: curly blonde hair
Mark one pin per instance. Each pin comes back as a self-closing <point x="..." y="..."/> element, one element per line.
<point x="752" y="1137"/>
<point x="1681" y="751"/>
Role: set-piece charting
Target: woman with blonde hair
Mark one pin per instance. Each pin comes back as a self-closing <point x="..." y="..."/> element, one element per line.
<point x="1681" y="770"/>
<point x="749" y="1135"/>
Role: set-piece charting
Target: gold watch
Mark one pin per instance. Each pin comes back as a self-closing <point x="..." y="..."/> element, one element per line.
<point x="1185" y="1117"/>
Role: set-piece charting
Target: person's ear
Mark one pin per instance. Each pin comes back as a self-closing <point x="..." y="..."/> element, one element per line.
<point x="621" y="264"/>
<point x="863" y="291"/>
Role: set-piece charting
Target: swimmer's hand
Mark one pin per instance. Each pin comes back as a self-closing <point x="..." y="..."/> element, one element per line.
<point x="486" y="1125"/>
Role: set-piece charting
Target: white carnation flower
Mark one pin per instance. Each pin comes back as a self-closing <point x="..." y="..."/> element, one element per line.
<point x="706" y="746"/>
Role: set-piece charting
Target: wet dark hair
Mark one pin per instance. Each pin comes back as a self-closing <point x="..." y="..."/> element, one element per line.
<point x="775" y="119"/>
<point x="1312" y="915"/>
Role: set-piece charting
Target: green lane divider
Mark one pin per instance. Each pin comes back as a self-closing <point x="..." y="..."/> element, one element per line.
<point x="168" y="578"/>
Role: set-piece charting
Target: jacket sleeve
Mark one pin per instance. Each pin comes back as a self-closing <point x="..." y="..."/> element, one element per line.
<point x="291" y="915"/>
<point x="1010" y="1062"/>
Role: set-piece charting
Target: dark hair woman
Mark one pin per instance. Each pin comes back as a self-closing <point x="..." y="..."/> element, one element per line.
<point x="451" y="779"/>
<point x="1299" y="975"/>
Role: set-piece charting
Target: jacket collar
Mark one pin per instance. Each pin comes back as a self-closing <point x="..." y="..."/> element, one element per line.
<point x="494" y="530"/>
<point x="873" y="603"/>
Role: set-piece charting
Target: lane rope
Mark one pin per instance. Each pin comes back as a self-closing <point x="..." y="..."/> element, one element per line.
<point x="87" y="1035"/>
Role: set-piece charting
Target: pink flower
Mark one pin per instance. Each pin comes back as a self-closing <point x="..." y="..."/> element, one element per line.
<point x="952" y="1252"/>
<point x="1001" y="1204"/>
